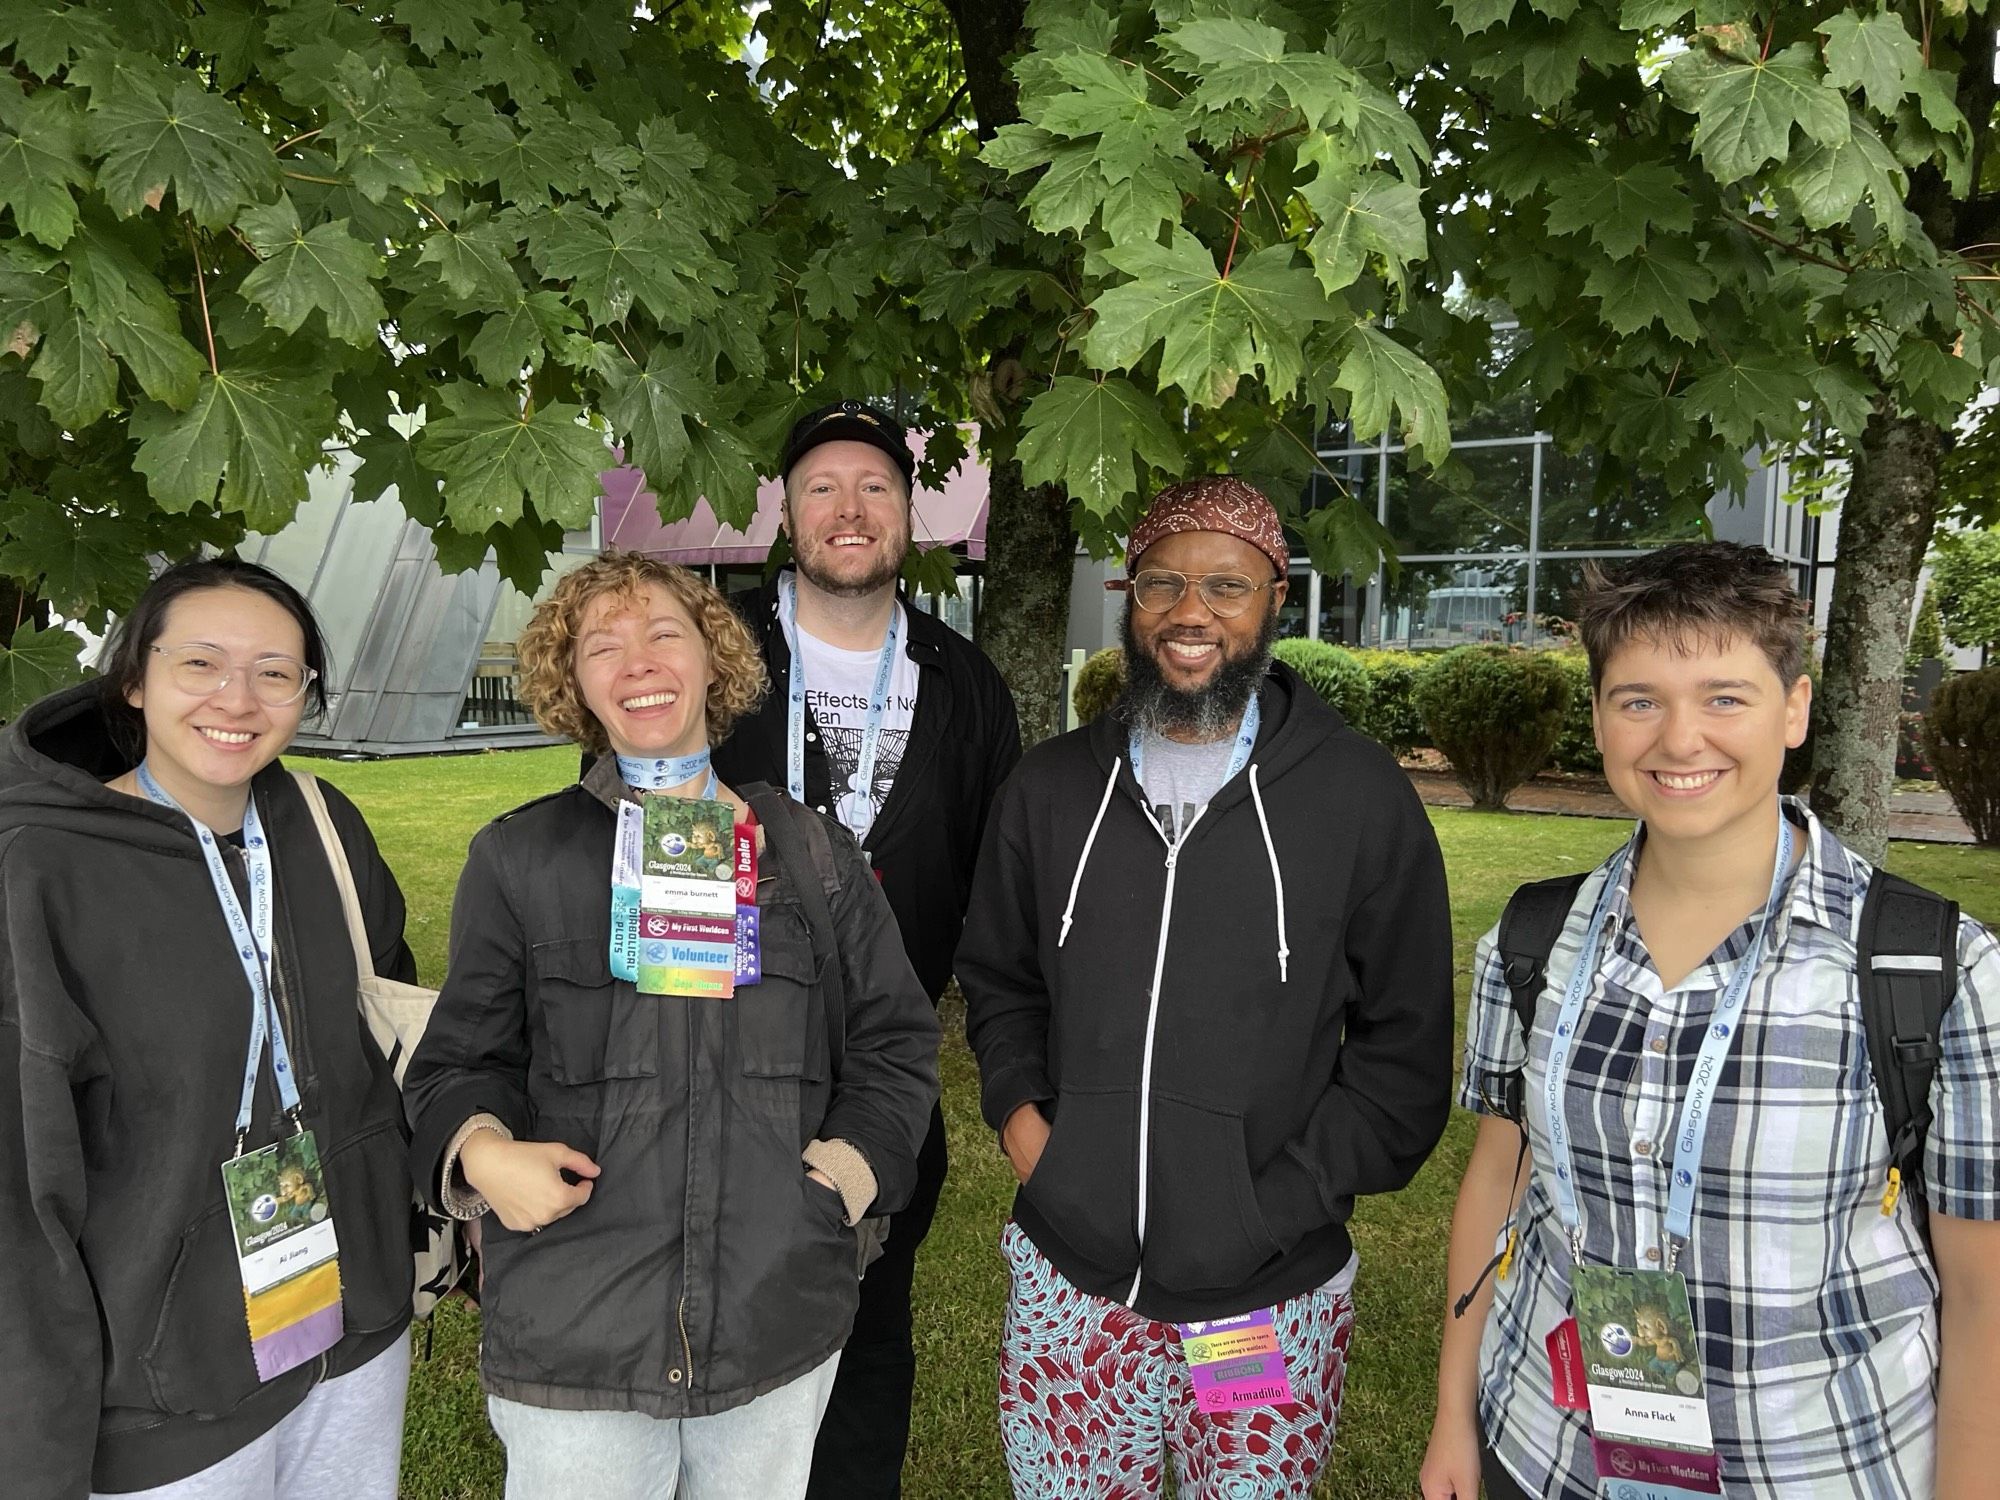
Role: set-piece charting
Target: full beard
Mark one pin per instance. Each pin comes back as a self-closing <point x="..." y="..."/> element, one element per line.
<point x="1199" y="714"/>
<point x="811" y="560"/>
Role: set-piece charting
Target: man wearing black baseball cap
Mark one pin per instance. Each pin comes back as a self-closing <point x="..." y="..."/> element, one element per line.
<point x="885" y="718"/>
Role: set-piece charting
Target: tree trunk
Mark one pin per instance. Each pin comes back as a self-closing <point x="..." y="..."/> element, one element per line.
<point x="1024" y="620"/>
<point x="1885" y="530"/>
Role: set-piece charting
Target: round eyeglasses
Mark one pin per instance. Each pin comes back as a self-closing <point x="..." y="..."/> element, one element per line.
<point x="198" y="670"/>
<point x="1157" y="590"/>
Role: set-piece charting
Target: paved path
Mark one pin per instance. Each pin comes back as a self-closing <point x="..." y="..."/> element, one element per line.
<point x="1926" y="817"/>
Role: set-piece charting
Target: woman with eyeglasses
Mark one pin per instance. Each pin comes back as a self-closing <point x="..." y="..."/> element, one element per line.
<point x="204" y="1208"/>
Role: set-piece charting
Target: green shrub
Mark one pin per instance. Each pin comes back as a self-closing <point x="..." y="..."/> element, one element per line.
<point x="1961" y="737"/>
<point x="1393" y="720"/>
<point x="1334" y="674"/>
<point x="1100" y="684"/>
<point x="1496" y="713"/>
<point x="1576" y="747"/>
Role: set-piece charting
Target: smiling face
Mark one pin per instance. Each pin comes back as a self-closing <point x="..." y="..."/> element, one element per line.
<point x="1694" y="734"/>
<point x="1189" y="671"/>
<point x="199" y="745"/>
<point x="848" y="515"/>
<point x="643" y="669"/>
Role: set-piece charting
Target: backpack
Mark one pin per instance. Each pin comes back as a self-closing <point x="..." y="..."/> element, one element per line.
<point x="1907" y="965"/>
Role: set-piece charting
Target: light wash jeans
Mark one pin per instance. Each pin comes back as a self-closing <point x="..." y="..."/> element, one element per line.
<point x="343" y="1442"/>
<point x="762" y="1451"/>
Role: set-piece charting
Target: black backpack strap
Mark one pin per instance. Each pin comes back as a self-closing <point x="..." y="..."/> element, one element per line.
<point x="1907" y="967"/>
<point x="1529" y="928"/>
<point x="801" y="843"/>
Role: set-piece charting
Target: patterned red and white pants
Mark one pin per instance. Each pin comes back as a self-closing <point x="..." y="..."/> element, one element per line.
<point x="1093" y="1397"/>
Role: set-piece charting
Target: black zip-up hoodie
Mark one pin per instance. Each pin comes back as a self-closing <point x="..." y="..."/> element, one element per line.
<point x="124" y="1022"/>
<point x="1207" y="1149"/>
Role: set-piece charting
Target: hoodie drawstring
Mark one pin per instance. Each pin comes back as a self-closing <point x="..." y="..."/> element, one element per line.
<point x="1277" y="879"/>
<point x="1076" y="880"/>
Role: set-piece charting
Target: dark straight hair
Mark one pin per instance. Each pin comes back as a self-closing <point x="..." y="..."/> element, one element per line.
<point x="123" y="664"/>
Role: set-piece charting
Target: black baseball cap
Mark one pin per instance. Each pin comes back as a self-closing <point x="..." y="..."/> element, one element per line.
<point x="854" y="422"/>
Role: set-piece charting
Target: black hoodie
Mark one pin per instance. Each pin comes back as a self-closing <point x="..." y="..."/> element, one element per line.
<point x="1207" y="1149"/>
<point x="124" y="1018"/>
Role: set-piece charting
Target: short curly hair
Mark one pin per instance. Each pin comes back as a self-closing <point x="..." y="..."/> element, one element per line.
<point x="737" y="680"/>
<point x="1690" y="595"/>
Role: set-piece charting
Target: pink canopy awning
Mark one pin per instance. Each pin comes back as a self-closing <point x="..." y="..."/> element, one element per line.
<point x="953" y="514"/>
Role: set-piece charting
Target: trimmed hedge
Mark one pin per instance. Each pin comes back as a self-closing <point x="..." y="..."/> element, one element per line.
<point x="1099" y="684"/>
<point x="1576" y="747"/>
<point x="1961" y="737"/>
<point x="1392" y="720"/>
<point x="1495" y="712"/>
<point x="1333" y="673"/>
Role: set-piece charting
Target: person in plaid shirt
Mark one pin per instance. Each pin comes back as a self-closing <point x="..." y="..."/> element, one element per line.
<point x="1839" y="1356"/>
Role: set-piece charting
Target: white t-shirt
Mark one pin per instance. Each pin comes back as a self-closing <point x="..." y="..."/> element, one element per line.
<point x="837" y="687"/>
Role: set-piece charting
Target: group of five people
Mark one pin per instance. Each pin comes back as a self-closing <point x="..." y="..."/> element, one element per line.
<point x="1205" y="949"/>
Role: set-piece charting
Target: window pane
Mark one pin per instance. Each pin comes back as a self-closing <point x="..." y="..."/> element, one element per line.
<point x="1476" y="502"/>
<point x="1292" y="613"/>
<point x="1440" y="605"/>
<point x="1583" y="508"/>
<point x="1343" y="611"/>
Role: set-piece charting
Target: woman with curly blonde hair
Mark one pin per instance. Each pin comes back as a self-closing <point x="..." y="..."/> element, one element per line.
<point x="671" y="1187"/>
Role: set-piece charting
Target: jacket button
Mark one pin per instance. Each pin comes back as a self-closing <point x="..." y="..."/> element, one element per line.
<point x="821" y="807"/>
<point x="673" y="1377"/>
<point x="812" y="739"/>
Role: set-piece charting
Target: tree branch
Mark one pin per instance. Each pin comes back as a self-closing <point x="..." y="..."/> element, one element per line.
<point x="948" y="112"/>
<point x="1797" y="251"/>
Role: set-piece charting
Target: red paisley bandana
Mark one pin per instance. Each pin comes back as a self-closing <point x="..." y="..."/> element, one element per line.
<point x="1217" y="503"/>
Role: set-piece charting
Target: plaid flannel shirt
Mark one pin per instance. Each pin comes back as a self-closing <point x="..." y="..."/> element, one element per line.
<point x="1816" y="1315"/>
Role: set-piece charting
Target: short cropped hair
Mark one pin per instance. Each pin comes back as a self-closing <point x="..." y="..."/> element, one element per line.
<point x="1690" y="595"/>
<point x="546" y="649"/>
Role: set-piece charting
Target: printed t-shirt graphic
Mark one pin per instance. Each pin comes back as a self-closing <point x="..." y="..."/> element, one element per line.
<point x="837" y="686"/>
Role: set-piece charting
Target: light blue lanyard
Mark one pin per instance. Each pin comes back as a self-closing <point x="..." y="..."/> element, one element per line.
<point x="251" y="935"/>
<point x="1724" y="1024"/>
<point x="1239" y="757"/>
<point x="862" y="782"/>
<point x="656" y="774"/>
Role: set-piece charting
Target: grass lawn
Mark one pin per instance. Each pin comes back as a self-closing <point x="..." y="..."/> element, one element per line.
<point x="424" y="812"/>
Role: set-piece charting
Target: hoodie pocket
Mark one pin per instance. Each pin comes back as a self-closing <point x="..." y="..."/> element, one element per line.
<point x="1204" y="1231"/>
<point x="199" y="1362"/>
<point x="368" y="1181"/>
<point x="595" y="1029"/>
<point x="1084" y="1184"/>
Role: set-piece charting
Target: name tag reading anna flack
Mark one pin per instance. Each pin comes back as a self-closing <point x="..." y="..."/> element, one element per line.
<point x="1648" y="1416"/>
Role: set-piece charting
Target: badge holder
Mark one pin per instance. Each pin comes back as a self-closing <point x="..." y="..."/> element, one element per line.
<point x="1235" y="1363"/>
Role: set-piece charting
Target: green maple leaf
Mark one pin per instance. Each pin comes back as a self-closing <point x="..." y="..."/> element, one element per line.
<point x="45" y="37"/>
<point x="518" y="336"/>
<point x="131" y="313"/>
<point x="78" y="379"/>
<point x="1384" y="380"/>
<point x="1936" y="381"/>
<point x="86" y="564"/>
<point x="1847" y="396"/>
<point x="474" y="261"/>
<point x="493" y="457"/>
<point x="1873" y="53"/>
<point x="1109" y="100"/>
<point x="40" y="162"/>
<point x="1019" y="148"/>
<point x="1068" y="193"/>
<point x="1343" y="536"/>
<point x="719" y="467"/>
<point x="1475" y="16"/>
<point x="649" y="409"/>
<point x="1651" y="15"/>
<point x="253" y="430"/>
<point x="1745" y="111"/>
<point x="322" y="269"/>
<point x="549" y="158"/>
<point x="1659" y="282"/>
<point x="167" y="366"/>
<point x="196" y="142"/>
<point x="1092" y="437"/>
<point x="1136" y="208"/>
<point x="1242" y="61"/>
<point x="834" y="282"/>
<point x="38" y="663"/>
<point x="1617" y="204"/>
<point x="1746" y="398"/>
<point x="1900" y="296"/>
<point x="437" y="24"/>
<point x="389" y="461"/>
<point x="616" y="261"/>
<point x="1372" y="215"/>
<point x="930" y="570"/>
<point x="1213" y="329"/>
<point x="983" y="225"/>
<point x="1827" y="182"/>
